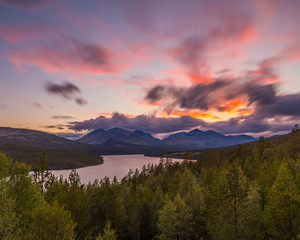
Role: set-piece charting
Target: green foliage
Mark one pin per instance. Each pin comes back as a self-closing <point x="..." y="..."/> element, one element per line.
<point x="52" y="223"/>
<point x="188" y="155"/>
<point x="8" y="217"/>
<point x="282" y="211"/>
<point x="233" y="210"/>
<point x="166" y="220"/>
<point x="108" y="233"/>
<point x="42" y="175"/>
<point x="175" y="220"/>
<point x="5" y="165"/>
<point x="250" y="191"/>
<point x="26" y="193"/>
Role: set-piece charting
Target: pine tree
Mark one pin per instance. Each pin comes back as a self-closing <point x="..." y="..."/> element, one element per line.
<point x="184" y="219"/>
<point x="233" y="208"/>
<point x="282" y="210"/>
<point x="8" y="217"/>
<point x="108" y="233"/>
<point x="51" y="222"/>
<point x="166" y="220"/>
<point x="175" y="220"/>
<point x="41" y="174"/>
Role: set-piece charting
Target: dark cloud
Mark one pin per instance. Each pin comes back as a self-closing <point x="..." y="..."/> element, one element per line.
<point x="27" y="5"/>
<point x="80" y="101"/>
<point x="142" y="122"/>
<point x="66" y="90"/>
<point x="62" y="117"/>
<point x="155" y="94"/>
<point x="204" y="97"/>
<point x="264" y="95"/>
<point x="58" y="127"/>
<point x="199" y="96"/>
<point x="285" y="105"/>
<point x="253" y="124"/>
<point x="91" y="54"/>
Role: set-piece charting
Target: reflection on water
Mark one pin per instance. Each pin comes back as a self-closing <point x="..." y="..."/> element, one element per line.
<point x="114" y="165"/>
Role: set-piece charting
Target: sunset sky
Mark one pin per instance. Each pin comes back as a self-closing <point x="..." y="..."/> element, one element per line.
<point x="161" y="66"/>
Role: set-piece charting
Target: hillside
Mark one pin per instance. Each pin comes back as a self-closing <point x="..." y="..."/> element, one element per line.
<point x="27" y="145"/>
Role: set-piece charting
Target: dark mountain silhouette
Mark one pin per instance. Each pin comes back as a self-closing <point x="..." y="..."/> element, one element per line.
<point x="194" y="139"/>
<point x="101" y="136"/>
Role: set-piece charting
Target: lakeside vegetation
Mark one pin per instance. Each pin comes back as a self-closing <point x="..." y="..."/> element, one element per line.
<point x="249" y="192"/>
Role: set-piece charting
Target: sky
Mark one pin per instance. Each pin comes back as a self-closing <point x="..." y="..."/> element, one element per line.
<point x="69" y="67"/>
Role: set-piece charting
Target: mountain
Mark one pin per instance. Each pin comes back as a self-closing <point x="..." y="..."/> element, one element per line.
<point x="27" y="145"/>
<point x="101" y="136"/>
<point x="195" y="139"/>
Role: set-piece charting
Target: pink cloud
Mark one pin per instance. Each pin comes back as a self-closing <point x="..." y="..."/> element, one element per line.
<point x="22" y="33"/>
<point x="27" y="5"/>
<point x="69" y="55"/>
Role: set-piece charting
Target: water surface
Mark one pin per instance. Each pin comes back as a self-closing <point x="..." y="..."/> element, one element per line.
<point x="114" y="165"/>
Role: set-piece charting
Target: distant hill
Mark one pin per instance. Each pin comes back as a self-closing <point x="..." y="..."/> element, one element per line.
<point x="27" y="145"/>
<point x="194" y="139"/>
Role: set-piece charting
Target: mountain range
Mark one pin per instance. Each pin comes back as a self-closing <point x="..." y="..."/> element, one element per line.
<point x="194" y="139"/>
<point x="27" y="145"/>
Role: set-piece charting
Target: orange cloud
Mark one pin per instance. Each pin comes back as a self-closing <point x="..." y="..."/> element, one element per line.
<point x="233" y="105"/>
<point x="193" y="114"/>
<point x="110" y="115"/>
<point x="203" y="78"/>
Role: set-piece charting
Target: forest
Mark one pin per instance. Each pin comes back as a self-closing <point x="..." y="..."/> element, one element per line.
<point x="249" y="192"/>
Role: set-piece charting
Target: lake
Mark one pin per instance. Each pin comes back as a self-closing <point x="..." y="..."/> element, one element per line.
<point x="114" y="165"/>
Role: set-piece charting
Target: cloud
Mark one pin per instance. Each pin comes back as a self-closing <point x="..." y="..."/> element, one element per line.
<point x="199" y="96"/>
<point x="57" y="127"/>
<point x="80" y="101"/>
<point x="66" y="90"/>
<point x="142" y="122"/>
<point x="62" y="117"/>
<point x="22" y="33"/>
<point x="36" y="104"/>
<point x="217" y="96"/>
<point x="226" y="27"/>
<point x="155" y="94"/>
<point x="161" y="125"/>
<point x="67" y="54"/>
<point x="255" y="89"/>
<point x="27" y="5"/>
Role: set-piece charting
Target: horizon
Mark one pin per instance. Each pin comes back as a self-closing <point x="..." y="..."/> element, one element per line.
<point x="77" y="136"/>
<point x="73" y="67"/>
